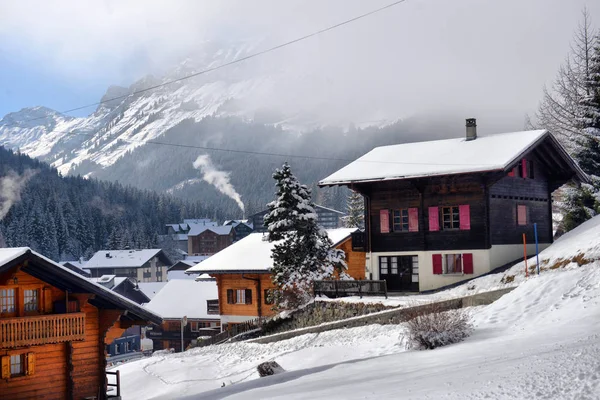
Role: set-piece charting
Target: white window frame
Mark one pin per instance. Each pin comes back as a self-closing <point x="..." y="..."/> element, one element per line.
<point x="445" y="263"/>
<point x="17" y="368"/>
<point x="240" y="296"/>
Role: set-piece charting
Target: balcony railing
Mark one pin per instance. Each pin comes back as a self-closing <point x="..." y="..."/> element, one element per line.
<point x="41" y="329"/>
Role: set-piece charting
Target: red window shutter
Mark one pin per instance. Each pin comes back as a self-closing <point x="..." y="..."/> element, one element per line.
<point x="413" y="219"/>
<point x="521" y="215"/>
<point x="512" y="172"/>
<point x="468" y="263"/>
<point x="384" y="221"/>
<point x="437" y="264"/>
<point x="434" y="219"/>
<point x="464" y="212"/>
<point x="524" y="168"/>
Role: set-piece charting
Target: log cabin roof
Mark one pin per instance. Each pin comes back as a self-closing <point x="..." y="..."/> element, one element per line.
<point x="499" y="152"/>
<point x="253" y="254"/>
<point x="63" y="278"/>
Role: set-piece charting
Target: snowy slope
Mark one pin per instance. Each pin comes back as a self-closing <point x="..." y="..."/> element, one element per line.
<point x="540" y="341"/>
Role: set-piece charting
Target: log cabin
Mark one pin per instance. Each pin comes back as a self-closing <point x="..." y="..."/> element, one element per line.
<point x="196" y="301"/>
<point x="444" y="211"/>
<point x="243" y="274"/>
<point x="54" y="328"/>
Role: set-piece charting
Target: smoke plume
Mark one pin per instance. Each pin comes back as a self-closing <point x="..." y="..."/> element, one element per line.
<point x="11" y="186"/>
<point x="219" y="179"/>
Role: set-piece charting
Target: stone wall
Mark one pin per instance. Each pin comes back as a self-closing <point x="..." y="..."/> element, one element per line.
<point x="383" y="317"/>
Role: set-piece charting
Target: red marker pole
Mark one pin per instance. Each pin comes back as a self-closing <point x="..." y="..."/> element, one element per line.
<point x="525" y="255"/>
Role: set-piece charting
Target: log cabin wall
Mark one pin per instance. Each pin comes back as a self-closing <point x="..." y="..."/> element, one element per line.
<point x="422" y="194"/>
<point x="511" y="191"/>
<point x="355" y="260"/>
<point x="69" y="369"/>
<point x="236" y="282"/>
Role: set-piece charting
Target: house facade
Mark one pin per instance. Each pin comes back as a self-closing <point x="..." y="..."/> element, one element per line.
<point x="327" y="218"/>
<point x="54" y="328"/>
<point x="146" y="265"/>
<point x="243" y="274"/>
<point x="209" y="240"/>
<point x="196" y="301"/>
<point x="176" y="235"/>
<point x="444" y="211"/>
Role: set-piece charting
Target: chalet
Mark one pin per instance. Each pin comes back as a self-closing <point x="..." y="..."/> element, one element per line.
<point x="328" y="218"/>
<point x="148" y="265"/>
<point x="126" y="287"/>
<point x="177" y="234"/>
<point x="184" y="298"/>
<point x="208" y="240"/>
<point x="243" y="274"/>
<point x="177" y="270"/>
<point x="444" y="211"/>
<point x="241" y="228"/>
<point x="54" y="326"/>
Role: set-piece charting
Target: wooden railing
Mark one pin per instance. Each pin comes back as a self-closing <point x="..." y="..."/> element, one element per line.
<point x="41" y="329"/>
<point x="335" y="288"/>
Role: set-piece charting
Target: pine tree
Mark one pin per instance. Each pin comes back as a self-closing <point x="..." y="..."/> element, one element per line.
<point x="302" y="252"/>
<point x="355" y="211"/>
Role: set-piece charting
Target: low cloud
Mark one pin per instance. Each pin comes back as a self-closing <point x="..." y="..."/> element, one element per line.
<point x="11" y="186"/>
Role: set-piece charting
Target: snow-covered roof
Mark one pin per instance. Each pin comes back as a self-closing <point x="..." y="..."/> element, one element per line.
<point x="328" y="209"/>
<point x="63" y="276"/>
<point x="438" y="157"/>
<point x="219" y="230"/>
<point x="181" y="297"/>
<point x="121" y="258"/>
<point x="150" y="289"/>
<point x="252" y="253"/>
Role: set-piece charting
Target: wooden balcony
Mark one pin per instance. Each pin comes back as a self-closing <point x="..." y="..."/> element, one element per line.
<point x="41" y="329"/>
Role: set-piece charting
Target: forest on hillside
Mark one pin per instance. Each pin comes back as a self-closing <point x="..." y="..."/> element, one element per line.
<point x="66" y="218"/>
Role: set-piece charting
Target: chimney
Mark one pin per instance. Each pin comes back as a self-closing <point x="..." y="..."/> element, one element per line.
<point x="471" y="129"/>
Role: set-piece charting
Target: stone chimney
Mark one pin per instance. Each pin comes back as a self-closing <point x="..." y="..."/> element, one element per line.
<point x="471" y="129"/>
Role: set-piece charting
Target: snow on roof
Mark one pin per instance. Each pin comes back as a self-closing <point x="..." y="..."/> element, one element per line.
<point x="252" y="253"/>
<point x="150" y="289"/>
<point x="9" y="254"/>
<point x="78" y="264"/>
<point x="121" y="258"/>
<point x="219" y="230"/>
<point x="438" y="157"/>
<point x="181" y="297"/>
<point x="328" y="209"/>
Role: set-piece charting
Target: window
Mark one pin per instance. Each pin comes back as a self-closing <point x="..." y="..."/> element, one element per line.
<point x="7" y="301"/>
<point x="450" y="218"/>
<point x="17" y="363"/>
<point x="194" y="326"/>
<point x="521" y="214"/>
<point x="127" y="347"/>
<point x="453" y="264"/>
<point x="401" y="220"/>
<point x="383" y="265"/>
<point x="415" y="269"/>
<point x="31" y="299"/>
<point x="117" y="348"/>
<point x="239" y="296"/>
<point x="212" y="306"/>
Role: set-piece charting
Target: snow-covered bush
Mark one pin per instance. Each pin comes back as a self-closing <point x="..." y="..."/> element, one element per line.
<point x="432" y="326"/>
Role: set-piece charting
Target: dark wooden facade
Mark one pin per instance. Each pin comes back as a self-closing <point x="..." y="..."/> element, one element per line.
<point x="209" y="242"/>
<point x="60" y="337"/>
<point x="168" y="335"/>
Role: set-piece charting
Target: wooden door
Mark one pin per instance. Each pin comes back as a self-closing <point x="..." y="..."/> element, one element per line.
<point x="397" y="271"/>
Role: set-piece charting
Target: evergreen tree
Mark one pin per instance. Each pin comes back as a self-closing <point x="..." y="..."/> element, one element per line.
<point x="302" y="252"/>
<point x="355" y="211"/>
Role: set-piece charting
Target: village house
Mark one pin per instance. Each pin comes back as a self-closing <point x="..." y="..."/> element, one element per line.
<point x="177" y="234"/>
<point x="208" y="240"/>
<point x="147" y="265"/>
<point x="197" y="301"/>
<point x="241" y="228"/>
<point x="444" y="211"/>
<point x="76" y="266"/>
<point x="243" y="274"/>
<point x="54" y="328"/>
<point x="327" y="218"/>
<point x="177" y="270"/>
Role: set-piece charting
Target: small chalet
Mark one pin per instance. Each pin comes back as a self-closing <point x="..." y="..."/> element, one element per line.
<point x="208" y="240"/>
<point x="327" y="218"/>
<point x="444" y="211"/>
<point x="148" y="265"/>
<point x="177" y="234"/>
<point x="54" y="326"/>
<point x="241" y="228"/>
<point x="197" y="301"/>
<point x="243" y="274"/>
<point x="126" y="287"/>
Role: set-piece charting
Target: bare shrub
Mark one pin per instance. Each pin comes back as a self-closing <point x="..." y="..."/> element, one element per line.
<point x="507" y="279"/>
<point x="433" y="325"/>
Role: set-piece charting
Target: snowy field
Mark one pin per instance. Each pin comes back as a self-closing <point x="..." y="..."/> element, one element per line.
<point x="541" y="341"/>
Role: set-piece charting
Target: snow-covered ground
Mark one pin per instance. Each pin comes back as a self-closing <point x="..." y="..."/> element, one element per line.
<point x="541" y="341"/>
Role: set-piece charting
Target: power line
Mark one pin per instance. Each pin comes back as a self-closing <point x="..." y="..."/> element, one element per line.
<point x="239" y="60"/>
<point x="261" y="153"/>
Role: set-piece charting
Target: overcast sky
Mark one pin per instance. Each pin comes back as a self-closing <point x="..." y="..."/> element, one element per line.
<point x="469" y="57"/>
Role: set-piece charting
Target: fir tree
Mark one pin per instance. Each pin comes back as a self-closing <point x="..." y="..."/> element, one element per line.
<point x="355" y="211"/>
<point x="302" y="252"/>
